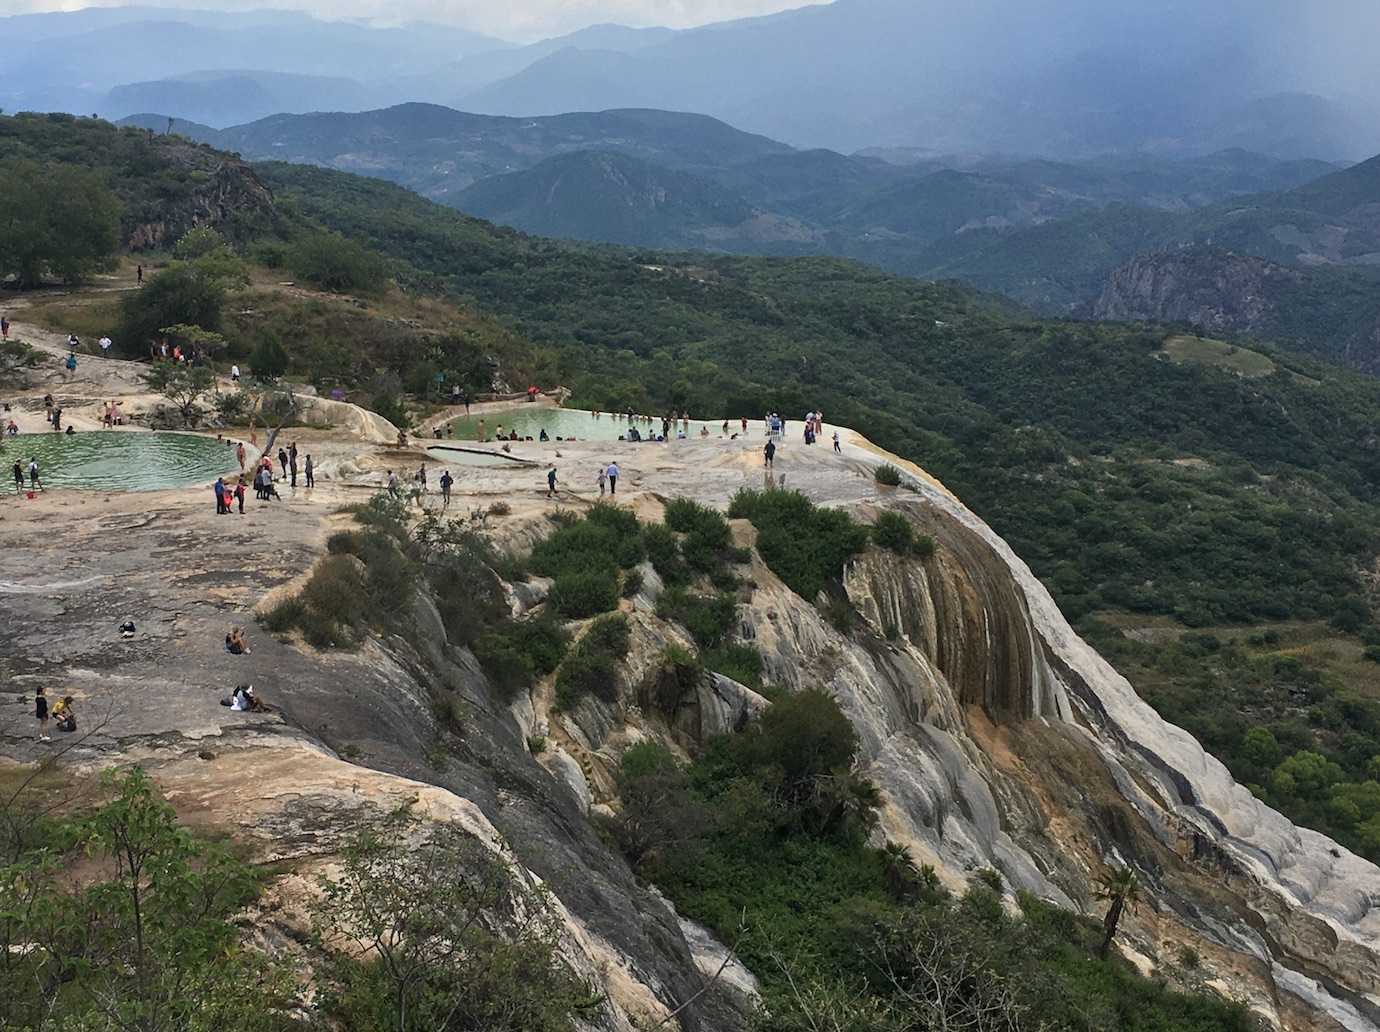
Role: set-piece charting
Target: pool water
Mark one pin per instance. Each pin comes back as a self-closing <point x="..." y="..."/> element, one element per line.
<point x="576" y="423"/>
<point x="453" y="456"/>
<point x="117" y="461"/>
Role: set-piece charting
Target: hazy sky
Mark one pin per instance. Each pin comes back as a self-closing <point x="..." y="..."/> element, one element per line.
<point x="514" y="19"/>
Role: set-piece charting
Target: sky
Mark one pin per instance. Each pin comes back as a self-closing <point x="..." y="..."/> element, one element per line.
<point x="517" y="20"/>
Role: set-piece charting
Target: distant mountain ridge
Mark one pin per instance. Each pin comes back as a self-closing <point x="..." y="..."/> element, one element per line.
<point x="986" y="77"/>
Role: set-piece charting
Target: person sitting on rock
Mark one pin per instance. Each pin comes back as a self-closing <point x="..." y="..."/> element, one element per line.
<point x="64" y="716"/>
<point x="236" y="643"/>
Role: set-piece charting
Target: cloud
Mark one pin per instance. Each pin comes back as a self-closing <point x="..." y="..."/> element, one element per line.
<point x="519" y="20"/>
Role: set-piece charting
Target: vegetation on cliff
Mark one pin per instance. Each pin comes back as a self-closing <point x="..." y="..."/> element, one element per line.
<point x="762" y="838"/>
<point x="1129" y="482"/>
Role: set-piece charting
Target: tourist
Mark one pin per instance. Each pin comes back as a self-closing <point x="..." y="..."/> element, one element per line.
<point x="71" y="429"/>
<point x="603" y="481"/>
<point x="612" y="473"/>
<point x="480" y="432"/>
<point x="221" y="506"/>
<point x="234" y="373"/>
<point x="236" y="643"/>
<point x="56" y="417"/>
<point x="64" y="716"/>
<point x="543" y="435"/>
<point x="41" y="713"/>
<point x="769" y="453"/>
<point x="71" y="364"/>
<point x="127" y="630"/>
<point x="105" y="343"/>
<point x="4" y="328"/>
<point x="392" y="483"/>
<point x="239" y="493"/>
<point x="18" y="477"/>
<point x="292" y="465"/>
<point x="12" y="429"/>
<point x="310" y="471"/>
<point x="139" y="275"/>
<point x="35" y="484"/>
<point x="421" y="475"/>
<point x="550" y="481"/>
<point x="837" y="450"/>
<point x="239" y="454"/>
<point x="283" y="461"/>
<point x="446" y="481"/>
<point x="73" y="342"/>
<point x="725" y="427"/>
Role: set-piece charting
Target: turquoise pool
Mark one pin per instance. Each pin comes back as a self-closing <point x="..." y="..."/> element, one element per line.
<point x="530" y="420"/>
<point x="108" y="460"/>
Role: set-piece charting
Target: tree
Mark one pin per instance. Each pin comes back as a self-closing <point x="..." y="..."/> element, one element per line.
<point x="182" y="384"/>
<point x="269" y="359"/>
<point x="180" y="295"/>
<point x="1120" y="887"/>
<point x="54" y="220"/>
<point x="147" y="942"/>
<point x="433" y="930"/>
<point x="336" y="263"/>
<point x="17" y="360"/>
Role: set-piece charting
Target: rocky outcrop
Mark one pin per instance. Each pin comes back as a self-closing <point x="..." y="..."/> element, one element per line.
<point x="225" y="194"/>
<point x="1215" y="291"/>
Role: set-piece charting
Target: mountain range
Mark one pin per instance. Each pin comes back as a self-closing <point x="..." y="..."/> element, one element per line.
<point x="986" y="77"/>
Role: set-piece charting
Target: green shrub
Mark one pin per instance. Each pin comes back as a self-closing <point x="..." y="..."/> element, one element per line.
<point x="343" y="542"/>
<point x="284" y="616"/>
<point x="585" y="593"/>
<point x="894" y="532"/>
<point x="678" y="675"/>
<point x="709" y="619"/>
<point x="591" y="668"/>
<point x="887" y="475"/>
<point x="536" y="744"/>
<point x="336" y="590"/>
<point x="804" y="545"/>
<point x="632" y="583"/>
<point x="743" y="663"/>
<point x="664" y="552"/>
<point x="516" y="652"/>
<point x="336" y="263"/>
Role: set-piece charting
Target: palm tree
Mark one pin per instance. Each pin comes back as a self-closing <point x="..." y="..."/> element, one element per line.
<point x="1120" y="887"/>
<point x="899" y="869"/>
<point x="845" y="802"/>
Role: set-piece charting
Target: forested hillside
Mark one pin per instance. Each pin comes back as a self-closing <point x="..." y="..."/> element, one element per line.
<point x="1138" y="480"/>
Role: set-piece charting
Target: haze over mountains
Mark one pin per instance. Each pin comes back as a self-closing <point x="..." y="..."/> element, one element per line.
<point x="1073" y="78"/>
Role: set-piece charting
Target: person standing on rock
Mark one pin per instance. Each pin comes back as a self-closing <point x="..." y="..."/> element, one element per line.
<point x="35" y="484"/>
<point x="18" y="477"/>
<point x="551" y="482"/>
<point x="769" y="453"/>
<point x="392" y="483"/>
<point x="239" y="493"/>
<point x="41" y="713"/>
<point x="612" y="472"/>
<point x="292" y="465"/>
<point x="837" y="449"/>
<point x="603" y="481"/>
<point x="139" y="275"/>
<point x="105" y="343"/>
<point x="446" y="481"/>
<point x="234" y="373"/>
<point x="71" y="363"/>
<point x="239" y="454"/>
<point x="4" y="328"/>
<point x="283" y="462"/>
<point x="221" y="506"/>
<point x="310" y="471"/>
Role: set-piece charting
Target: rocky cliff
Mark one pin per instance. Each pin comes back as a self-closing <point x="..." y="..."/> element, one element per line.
<point x="1322" y="310"/>
<point x="997" y="737"/>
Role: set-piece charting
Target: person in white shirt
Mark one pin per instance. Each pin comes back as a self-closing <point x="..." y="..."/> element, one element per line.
<point x="235" y="373"/>
<point x="612" y="472"/>
<point x="105" y="343"/>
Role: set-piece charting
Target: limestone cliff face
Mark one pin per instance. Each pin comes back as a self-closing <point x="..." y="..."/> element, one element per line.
<point x="1215" y="291"/>
<point x="226" y="194"/>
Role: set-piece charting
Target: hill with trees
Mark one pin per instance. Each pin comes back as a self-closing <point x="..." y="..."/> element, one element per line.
<point x="1139" y="481"/>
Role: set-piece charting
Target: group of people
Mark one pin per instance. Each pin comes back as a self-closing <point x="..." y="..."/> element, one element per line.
<point x="287" y="461"/>
<point x="52" y="414"/>
<point x="63" y="714"/>
<point x="606" y="478"/>
<point x="35" y="482"/>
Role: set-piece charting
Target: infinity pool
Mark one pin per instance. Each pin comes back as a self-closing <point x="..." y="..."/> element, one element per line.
<point x="451" y="455"/>
<point x="581" y="425"/>
<point x="117" y="461"/>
